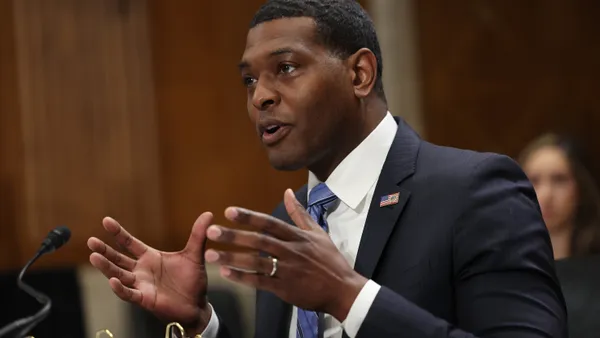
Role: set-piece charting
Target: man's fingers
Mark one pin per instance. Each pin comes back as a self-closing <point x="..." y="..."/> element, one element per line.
<point x="257" y="281"/>
<point x="127" y="294"/>
<point x="262" y="222"/>
<point x="125" y="240"/>
<point x="197" y="240"/>
<point x="96" y="245"/>
<point x="297" y="212"/>
<point x="110" y="270"/>
<point x="245" y="239"/>
<point x="247" y="262"/>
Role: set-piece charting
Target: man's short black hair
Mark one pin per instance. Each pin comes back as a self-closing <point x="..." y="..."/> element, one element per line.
<point x="343" y="26"/>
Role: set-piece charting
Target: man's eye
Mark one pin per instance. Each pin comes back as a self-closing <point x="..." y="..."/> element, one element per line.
<point x="248" y="81"/>
<point x="286" y="68"/>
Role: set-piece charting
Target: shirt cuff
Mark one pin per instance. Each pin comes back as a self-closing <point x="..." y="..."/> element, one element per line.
<point x="212" y="329"/>
<point x="360" y="308"/>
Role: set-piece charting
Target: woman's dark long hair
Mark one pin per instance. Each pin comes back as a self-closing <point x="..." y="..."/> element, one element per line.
<point x="586" y="232"/>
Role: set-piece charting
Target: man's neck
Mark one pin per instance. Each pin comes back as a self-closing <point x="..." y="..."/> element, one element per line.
<point x="372" y="116"/>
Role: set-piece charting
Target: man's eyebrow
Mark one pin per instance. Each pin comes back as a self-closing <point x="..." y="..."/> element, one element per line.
<point x="281" y="51"/>
<point x="245" y="64"/>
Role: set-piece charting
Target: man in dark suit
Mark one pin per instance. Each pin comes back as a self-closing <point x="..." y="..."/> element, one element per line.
<point x="391" y="237"/>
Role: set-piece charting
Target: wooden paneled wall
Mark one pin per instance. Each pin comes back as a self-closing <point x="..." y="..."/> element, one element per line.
<point x="11" y="170"/>
<point x="81" y="137"/>
<point x="133" y="109"/>
<point x="498" y="73"/>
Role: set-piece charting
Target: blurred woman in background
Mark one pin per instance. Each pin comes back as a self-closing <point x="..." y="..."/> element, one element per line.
<point x="567" y="193"/>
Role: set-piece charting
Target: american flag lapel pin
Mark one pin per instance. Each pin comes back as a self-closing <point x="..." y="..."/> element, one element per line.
<point x="389" y="200"/>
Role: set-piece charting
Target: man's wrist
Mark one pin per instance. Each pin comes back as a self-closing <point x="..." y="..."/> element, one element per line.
<point x="346" y="296"/>
<point x="198" y="326"/>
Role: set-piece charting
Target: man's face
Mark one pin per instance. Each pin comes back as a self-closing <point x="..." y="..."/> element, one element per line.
<point x="297" y="92"/>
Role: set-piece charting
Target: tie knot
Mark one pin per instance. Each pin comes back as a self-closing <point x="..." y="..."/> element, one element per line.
<point x="321" y="195"/>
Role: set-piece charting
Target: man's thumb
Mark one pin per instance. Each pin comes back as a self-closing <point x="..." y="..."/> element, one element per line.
<point x="197" y="240"/>
<point x="297" y="213"/>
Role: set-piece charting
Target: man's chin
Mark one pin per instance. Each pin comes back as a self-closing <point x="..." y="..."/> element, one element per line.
<point x="285" y="163"/>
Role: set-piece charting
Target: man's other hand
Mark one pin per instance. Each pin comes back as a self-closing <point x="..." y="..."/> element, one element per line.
<point x="171" y="285"/>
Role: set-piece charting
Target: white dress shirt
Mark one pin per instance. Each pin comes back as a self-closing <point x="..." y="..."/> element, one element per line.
<point x="353" y="181"/>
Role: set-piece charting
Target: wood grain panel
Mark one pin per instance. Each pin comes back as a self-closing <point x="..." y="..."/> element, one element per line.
<point x="498" y="73"/>
<point x="10" y="142"/>
<point x="211" y="156"/>
<point x="87" y="120"/>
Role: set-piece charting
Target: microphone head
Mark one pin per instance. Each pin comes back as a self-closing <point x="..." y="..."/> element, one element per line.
<point x="56" y="238"/>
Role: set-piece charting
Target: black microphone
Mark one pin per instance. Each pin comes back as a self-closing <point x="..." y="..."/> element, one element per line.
<point x="55" y="239"/>
<point x="20" y="327"/>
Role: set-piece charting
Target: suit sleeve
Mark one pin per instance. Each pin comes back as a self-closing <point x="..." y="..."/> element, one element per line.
<point x="221" y="328"/>
<point x="215" y="327"/>
<point x="504" y="278"/>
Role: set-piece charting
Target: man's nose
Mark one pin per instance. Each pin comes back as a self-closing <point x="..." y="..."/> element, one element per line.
<point x="264" y="96"/>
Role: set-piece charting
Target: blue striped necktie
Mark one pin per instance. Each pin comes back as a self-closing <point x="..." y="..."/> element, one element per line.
<point x="320" y="199"/>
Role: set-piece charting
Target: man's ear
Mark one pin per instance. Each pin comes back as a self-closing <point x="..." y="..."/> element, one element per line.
<point x="364" y="72"/>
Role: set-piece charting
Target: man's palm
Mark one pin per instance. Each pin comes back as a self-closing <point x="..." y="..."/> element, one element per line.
<point x="172" y="285"/>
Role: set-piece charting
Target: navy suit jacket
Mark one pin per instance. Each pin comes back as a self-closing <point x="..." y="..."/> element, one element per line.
<point x="465" y="252"/>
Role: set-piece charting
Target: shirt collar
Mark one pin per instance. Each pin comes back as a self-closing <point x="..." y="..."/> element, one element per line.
<point x="352" y="179"/>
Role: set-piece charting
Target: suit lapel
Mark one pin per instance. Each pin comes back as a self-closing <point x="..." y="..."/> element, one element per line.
<point x="302" y="197"/>
<point x="381" y="220"/>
